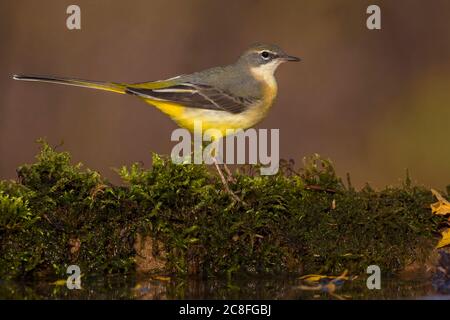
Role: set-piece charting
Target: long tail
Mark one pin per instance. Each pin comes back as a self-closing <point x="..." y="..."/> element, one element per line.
<point x="99" y="85"/>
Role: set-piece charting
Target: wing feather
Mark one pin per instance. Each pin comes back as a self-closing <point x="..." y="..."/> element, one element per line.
<point x="196" y="96"/>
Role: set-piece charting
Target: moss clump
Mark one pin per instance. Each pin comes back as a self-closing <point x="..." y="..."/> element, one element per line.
<point x="58" y="214"/>
<point x="67" y="215"/>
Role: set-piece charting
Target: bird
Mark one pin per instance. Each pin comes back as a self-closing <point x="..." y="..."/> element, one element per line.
<point x="236" y="96"/>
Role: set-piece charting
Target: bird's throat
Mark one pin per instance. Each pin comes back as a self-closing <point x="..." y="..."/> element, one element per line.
<point x="265" y="75"/>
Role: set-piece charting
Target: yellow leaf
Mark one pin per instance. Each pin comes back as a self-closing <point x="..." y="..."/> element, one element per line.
<point x="329" y="287"/>
<point x="137" y="287"/>
<point x="445" y="241"/>
<point x="318" y="277"/>
<point x="61" y="282"/>
<point x="312" y="277"/>
<point x="442" y="207"/>
<point x="161" y="278"/>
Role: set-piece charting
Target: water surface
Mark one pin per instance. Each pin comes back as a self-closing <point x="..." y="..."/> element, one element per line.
<point x="281" y="287"/>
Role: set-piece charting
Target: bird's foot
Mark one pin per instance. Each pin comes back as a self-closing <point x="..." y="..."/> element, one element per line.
<point x="230" y="177"/>
<point x="224" y="181"/>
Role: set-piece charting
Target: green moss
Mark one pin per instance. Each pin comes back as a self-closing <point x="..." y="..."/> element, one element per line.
<point x="303" y="220"/>
<point x="78" y="217"/>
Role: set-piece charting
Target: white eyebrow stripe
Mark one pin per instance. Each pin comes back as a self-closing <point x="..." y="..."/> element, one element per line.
<point x="271" y="52"/>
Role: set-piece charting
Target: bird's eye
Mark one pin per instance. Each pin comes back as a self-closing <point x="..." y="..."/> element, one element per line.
<point x="265" y="55"/>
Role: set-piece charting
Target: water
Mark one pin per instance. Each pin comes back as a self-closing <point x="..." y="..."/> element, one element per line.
<point x="146" y="287"/>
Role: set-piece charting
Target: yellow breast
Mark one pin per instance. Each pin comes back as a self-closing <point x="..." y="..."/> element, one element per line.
<point x="221" y="120"/>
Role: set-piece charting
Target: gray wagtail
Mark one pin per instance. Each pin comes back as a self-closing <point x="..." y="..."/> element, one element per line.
<point x="236" y="96"/>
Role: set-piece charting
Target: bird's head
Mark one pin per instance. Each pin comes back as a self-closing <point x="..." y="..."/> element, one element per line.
<point x="265" y="58"/>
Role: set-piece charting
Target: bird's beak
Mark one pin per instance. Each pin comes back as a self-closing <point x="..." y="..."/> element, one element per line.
<point x="291" y="58"/>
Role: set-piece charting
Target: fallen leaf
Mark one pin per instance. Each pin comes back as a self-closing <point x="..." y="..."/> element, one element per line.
<point x="137" y="287"/>
<point x="445" y="241"/>
<point x="318" y="277"/>
<point x="161" y="278"/>
<point x="329" y="287"/>
<point x="442" y="206"/>
<point x="313" y="277"/>
<point x="61" y="282"/>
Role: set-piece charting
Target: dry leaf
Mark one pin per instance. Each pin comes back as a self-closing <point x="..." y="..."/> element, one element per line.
<point x="318" y="277"/>
<point x="61" y="282"/>
<point x="445" y="241"/>
<point x="161" y="278"/>
<point x="329" y="287"/>
<point x="442" y="207"/>
<point x="313" y="277"/>
<point x="137" y="287"/>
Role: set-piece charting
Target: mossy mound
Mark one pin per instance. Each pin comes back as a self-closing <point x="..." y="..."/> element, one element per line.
<point x="57" y="214"/>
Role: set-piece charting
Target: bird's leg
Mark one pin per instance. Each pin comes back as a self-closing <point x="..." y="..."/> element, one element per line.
<point x="229" y="174"/>
<point x="213" y="155"/>
<point x="224" y="181"/>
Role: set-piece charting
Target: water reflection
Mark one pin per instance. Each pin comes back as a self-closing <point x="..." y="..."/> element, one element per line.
<point x="140" y="287"/>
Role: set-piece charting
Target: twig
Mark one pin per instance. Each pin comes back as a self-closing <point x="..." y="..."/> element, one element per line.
<point x="319" y="188"/>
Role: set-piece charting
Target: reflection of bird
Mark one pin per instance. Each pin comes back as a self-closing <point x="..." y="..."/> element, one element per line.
<point x="236" y="96"/>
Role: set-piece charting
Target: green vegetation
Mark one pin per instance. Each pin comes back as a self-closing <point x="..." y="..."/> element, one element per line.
<point x="304" y="221"/>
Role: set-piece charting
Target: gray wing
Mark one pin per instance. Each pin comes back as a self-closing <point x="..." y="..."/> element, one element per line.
<point x="197" y="96"/>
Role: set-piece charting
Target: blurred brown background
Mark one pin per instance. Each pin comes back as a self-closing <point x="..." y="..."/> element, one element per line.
<point x="375" y="102"/>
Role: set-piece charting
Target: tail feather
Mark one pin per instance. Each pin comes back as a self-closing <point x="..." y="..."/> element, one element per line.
<point x="99" y="85"/>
